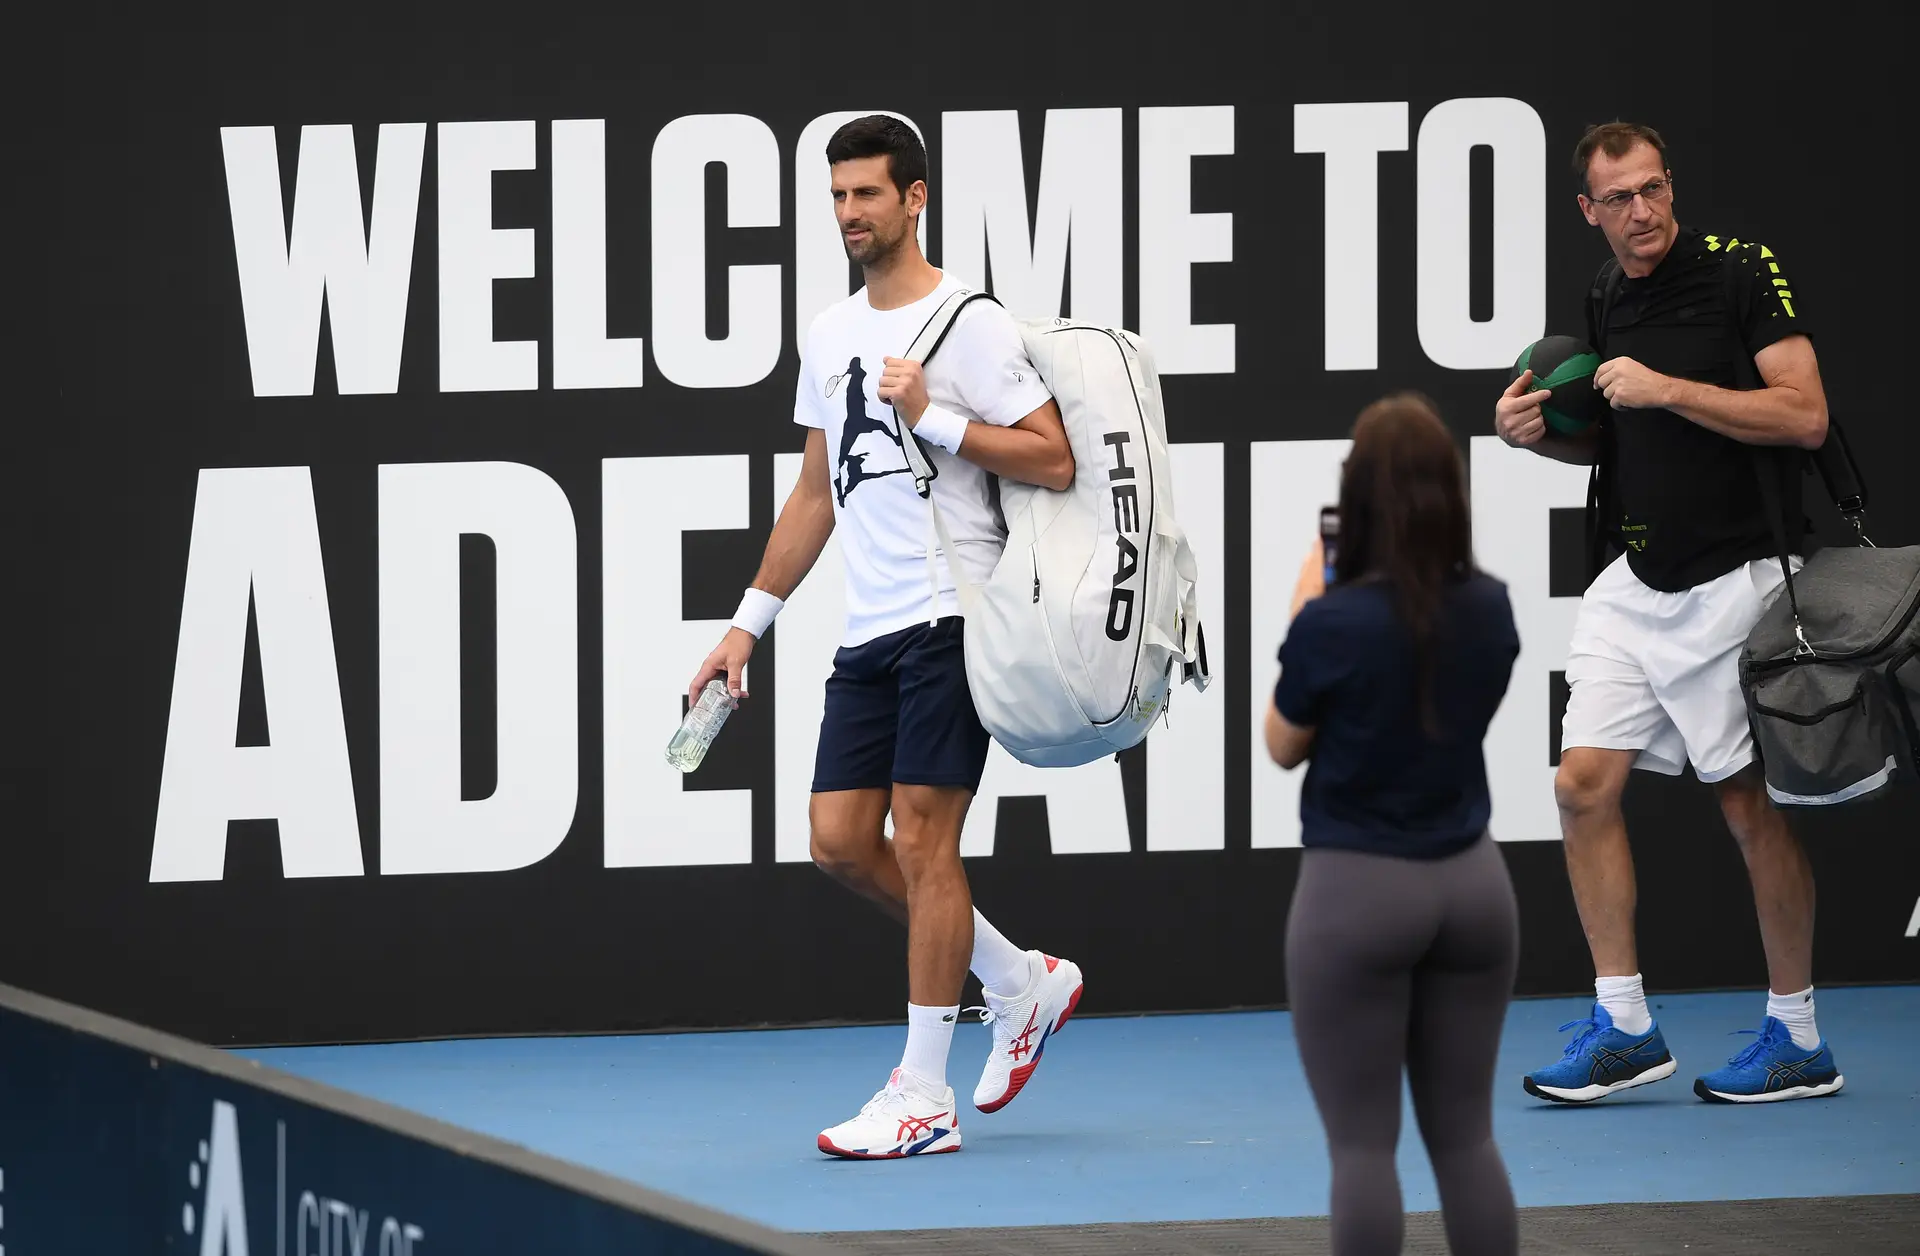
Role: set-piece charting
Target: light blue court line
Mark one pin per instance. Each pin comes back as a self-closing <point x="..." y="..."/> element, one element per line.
<point x="1144" y="1119"/>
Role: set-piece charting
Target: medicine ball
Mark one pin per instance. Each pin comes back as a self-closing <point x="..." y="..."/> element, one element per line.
<point x="1565" y="366"/>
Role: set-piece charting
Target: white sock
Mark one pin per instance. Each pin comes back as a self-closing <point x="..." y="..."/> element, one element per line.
<point x="1795" y="1011"/>
<point x="929" y="1035"/>
<point x="1626" y="1001"/>
<point x="1001" y="966"/>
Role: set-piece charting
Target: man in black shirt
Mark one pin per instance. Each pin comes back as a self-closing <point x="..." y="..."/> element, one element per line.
<point x="1652" y="667"/>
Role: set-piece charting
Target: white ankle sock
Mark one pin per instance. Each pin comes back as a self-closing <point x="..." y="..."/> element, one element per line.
<point x="999" y="964"/>
<point x="1795" y="1011"/>
<point x="1626" y="1001"/>
<point x="929" y="1035"/>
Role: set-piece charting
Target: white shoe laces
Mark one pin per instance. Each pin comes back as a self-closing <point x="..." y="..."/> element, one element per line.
<point x="892" y="1099"/>
<point x="884" y="1101"/>
<point x="1007" y="1023"/>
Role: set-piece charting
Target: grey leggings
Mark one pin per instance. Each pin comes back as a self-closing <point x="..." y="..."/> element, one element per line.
<point x="1406" y="963"/>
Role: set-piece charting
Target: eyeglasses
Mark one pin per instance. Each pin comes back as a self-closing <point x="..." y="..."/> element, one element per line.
<point x="1652" y="192"/>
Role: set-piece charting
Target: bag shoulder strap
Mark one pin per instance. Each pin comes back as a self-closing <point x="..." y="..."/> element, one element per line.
<point x="1839" y="473"/>
<point x="1601" y="295"/>
<point x="931" y="336"/>
<point x="1771" y="463"/>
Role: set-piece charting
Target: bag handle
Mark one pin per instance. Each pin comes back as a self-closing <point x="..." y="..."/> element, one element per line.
<point x="1193" y="644"/>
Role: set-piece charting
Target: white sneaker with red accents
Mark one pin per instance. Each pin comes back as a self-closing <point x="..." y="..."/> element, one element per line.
<point x="898" y="1121"/>
<point x="1021" y="1026"/>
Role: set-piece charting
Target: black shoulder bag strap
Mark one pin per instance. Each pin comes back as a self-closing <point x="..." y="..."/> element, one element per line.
<point x="1841" y="474"/>
<point x="1600" y="504"/>
<point x="1773" y="463"/>
<point x="1845" y="485"/>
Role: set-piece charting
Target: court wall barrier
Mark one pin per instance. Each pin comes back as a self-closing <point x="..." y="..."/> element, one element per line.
<point x="117" y="1138"/>
<point x="422" y="393"/>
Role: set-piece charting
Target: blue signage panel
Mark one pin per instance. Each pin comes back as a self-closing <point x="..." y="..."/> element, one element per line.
<point x="112" y="1147"/>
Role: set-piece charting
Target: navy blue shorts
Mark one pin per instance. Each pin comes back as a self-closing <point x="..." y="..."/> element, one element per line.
<point x="898" y="711"/>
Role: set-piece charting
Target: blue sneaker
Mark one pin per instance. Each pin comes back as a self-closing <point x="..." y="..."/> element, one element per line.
<point x="1772" y="1069"/>
<point x="1601" y="1060"/>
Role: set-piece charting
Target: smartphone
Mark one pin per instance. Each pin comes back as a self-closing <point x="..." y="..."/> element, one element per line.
<point x="1329" y="538"/>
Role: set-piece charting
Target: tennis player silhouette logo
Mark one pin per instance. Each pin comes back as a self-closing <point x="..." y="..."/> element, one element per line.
<point x="850" y="471"/>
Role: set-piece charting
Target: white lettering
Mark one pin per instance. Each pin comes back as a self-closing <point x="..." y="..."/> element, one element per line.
<point x="1352" y="136"/>
<point x="1291" y="480"/>
<point x="223" y="1230"/>
<point x="1173" y="239"/>
<point x="821" y="272"/>
<point x="1186" y="755"/>
<point x="806" y="635"/>
<point x="309" y="1206"/>
<point x="988" y="236"/>
<point x="424" y="510"/>
<point x="1913" y="922"/>
<point x="339" y="1213"/>
<point x="255" y="536"/>
<point x="649" y="652"/>
<point x="681" y="349"/>
<point x="1513" y="492"/>
<point x="362" y="274"/>
<point x="397" y="1238"/>
<point x="1448" y="136"/>
<point x="583" y="357"/>
<point x="473" y="254"/>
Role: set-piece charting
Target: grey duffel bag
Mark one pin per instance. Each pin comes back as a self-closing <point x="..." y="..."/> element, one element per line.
<point x="1831" y="676"/>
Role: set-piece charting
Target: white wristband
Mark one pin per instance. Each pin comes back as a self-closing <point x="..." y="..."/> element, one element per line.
<point x="941" y="427"/>
<point x="757" y="609"/>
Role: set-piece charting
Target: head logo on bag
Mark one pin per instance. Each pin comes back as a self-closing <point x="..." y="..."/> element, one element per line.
<point x="1072" y="642"/>
<point x="1126" y="521"/>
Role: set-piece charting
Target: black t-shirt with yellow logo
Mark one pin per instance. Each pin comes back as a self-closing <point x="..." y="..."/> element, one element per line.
<point x="1688" y="500"/>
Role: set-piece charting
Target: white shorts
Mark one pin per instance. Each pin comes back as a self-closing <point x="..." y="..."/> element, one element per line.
<point x="1659" y="672"/>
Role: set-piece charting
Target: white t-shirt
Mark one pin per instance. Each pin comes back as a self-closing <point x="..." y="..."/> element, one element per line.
<point x="981" y="372"/>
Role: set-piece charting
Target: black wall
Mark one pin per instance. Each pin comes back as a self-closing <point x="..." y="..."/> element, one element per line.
<point x="1779" y="128"/>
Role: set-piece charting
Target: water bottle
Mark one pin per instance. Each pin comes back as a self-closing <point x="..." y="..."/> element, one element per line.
<point x="702" y="725"/>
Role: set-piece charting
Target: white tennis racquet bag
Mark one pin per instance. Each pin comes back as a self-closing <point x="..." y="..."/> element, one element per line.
<point x="1072" y="642"/>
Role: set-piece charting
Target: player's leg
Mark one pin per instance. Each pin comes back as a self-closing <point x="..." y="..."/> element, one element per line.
<point x="1613" y="724"/>
<point x="932" y="774"/>
<point x="926" y="824"/>
<point x="852" y="791"/>
<point x="850" y="844"/>
<point x="1030" y="995"/>
<point x="853" y="782"/>
<point x="1783" y="890"/>
<point x="1588" y="788"/>
<point x="927" y="821"/>
<point x="917" y="1112"/>
<point x="1788" y="1059"/>
<point x="853" y="775"/>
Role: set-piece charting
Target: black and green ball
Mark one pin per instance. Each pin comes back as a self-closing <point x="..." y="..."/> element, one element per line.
<point x="1563" y="365"/>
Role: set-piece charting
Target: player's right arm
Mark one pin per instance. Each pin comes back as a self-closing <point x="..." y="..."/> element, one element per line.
<point x="1517" y="419"/>
<point x="799" y="535"/>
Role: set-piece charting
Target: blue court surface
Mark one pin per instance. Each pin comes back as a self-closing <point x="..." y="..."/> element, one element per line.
<point x="1161" y="1118"/>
